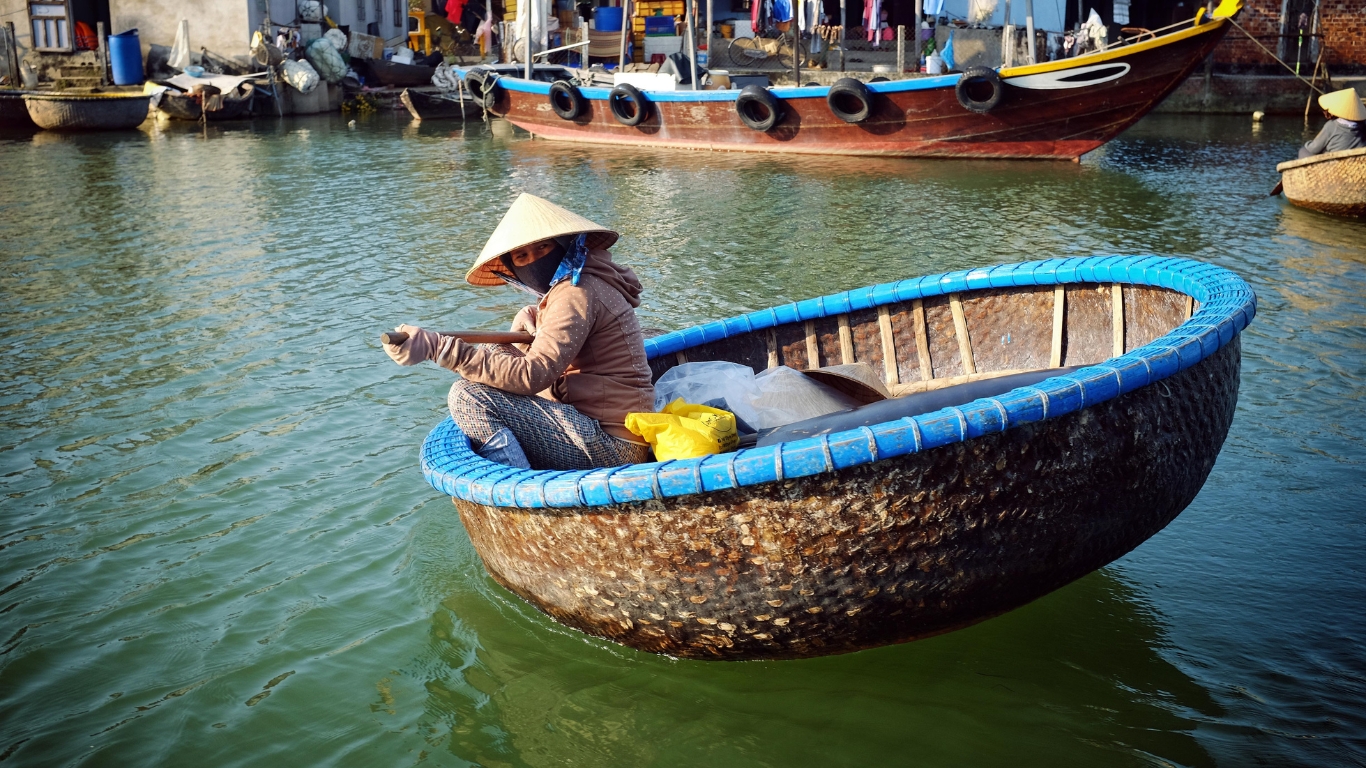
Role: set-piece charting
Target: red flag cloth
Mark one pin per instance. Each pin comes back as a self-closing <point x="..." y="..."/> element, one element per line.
<point x="454" y="8"/>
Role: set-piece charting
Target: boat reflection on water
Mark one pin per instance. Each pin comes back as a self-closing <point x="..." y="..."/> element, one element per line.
<point x="1078" y="677"/>
<point x="1342" y="235"/>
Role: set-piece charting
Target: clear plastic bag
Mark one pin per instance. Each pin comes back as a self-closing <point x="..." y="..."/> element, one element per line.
<point x="787" y="396"/>
<point x="774" y="398"/>
<point x="708" y="383"/>
<point x="179" y="57"/>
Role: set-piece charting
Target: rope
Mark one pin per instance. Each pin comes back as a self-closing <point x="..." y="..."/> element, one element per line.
<point x="1291" y="69"/>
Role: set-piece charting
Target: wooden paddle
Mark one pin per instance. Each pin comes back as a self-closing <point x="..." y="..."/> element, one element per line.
<point x="1279" y="186"/>
<point x="470" y="337"/>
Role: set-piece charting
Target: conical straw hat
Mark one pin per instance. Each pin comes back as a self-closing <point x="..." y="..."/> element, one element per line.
<point x="1345" y="104"/>
<point x="858" y="380"/>
<point x="530" y="220"/>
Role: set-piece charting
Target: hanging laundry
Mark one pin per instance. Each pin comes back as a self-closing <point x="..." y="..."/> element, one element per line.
<point x="872" y="20"/>
<point x="782" y="11"/>
<point x="454" y="9"/>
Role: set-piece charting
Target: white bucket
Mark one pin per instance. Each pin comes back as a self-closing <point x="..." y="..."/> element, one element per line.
<point x="934" y="64"/>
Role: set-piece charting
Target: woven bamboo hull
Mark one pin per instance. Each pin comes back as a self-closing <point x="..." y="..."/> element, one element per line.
<point x="81" y="112"/>
<point x="1330" y="183"/>
<point x="13" y="113"/>
<point x="912" y="118"/>
<point x="831" y="545"/>
<point x="879" y="554"/>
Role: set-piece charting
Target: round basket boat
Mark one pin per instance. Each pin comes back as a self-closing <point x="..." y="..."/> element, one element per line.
<point x="903" y="529"/>
<point x="87" y="112"/>
<point x="13" y="113"/>
<point x="1334" y="182"/>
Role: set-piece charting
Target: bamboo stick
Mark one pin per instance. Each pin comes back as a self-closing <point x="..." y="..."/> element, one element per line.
<point x="1059" y="312"/>
<point x="846" y="340"/>
<point x="922" y="340"/>
<point x="960" y="328"/>
<point x="1117" y="318"/>
<point x="890" y="374"/>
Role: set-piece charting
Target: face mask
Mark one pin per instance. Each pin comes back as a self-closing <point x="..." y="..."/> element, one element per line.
<point x="538" y="274"/>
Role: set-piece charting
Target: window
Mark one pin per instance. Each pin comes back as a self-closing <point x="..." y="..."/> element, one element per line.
<point x="360" y="10"/>
<point x="398" y="14"/>
<point x="379" y="11"/>
<point x="1121" y="12"/>
<point x="51" y="23"/>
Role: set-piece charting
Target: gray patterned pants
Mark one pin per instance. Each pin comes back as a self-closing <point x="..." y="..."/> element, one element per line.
<point x="553" y="435"/>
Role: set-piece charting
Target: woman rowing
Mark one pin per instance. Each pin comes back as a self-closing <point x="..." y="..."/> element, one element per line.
<point x="1346" y="126"/>
<point x="561" y="402"/>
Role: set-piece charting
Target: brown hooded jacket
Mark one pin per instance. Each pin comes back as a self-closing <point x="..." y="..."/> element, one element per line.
<point x="588" y="352"/>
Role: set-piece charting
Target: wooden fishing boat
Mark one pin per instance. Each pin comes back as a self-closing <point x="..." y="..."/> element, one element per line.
<point x="1055" y="110"/>
<point x="438" y="105"/>
<point x="13" y="113"/>
<point x="1334" y="182"/>
<point x="398" y="75"/>
<point x="897" y="530"/>
<point x="235" y="105"/>
<point x="87" y="111"/>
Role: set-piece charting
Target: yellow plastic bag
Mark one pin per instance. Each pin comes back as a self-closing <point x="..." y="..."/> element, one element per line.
<point x="683" y="430"/>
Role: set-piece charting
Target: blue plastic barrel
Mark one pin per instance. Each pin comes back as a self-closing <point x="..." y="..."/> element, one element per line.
<point x="607" y="19"/>
<point x="125" y="56"/>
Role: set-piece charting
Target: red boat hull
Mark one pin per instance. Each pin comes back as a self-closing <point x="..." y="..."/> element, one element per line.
<point x="1042" y="115"/>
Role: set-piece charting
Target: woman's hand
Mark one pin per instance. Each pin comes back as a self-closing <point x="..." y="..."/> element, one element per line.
<point x="526" y="319"/>
<point x="421" y="345"/>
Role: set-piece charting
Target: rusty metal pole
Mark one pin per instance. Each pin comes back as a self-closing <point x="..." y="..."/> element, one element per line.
<point x="625" y="25"/>
<point x="844" y="24"/>
<point x="900" y="50"/>
<point x="102" y="53"/>
<point x="692" y="42"/>
<point x="711" y="55"/>
<point x="527" y="7"/>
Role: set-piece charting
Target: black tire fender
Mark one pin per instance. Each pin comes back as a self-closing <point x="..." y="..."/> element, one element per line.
<point x="758" y="108"/>
<point x="483" y="85"/>
<point x="566" y="100"/>
<point x="617" y="99"/>
<point x="850" y="100"/>
<point x="970" y="86"/>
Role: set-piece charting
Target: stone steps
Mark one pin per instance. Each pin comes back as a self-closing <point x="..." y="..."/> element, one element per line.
<point x="70" y="72"/>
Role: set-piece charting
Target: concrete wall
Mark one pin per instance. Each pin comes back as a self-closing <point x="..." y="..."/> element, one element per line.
<point x="222" y="26"/>
<point x="16" y="12"/>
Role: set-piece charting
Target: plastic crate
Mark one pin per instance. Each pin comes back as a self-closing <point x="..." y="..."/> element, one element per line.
<point x="659" y="25"/>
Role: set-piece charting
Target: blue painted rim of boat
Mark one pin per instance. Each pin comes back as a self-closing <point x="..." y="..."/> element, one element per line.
<point x="523" y="85"/>
<point x="1227" y="306"/>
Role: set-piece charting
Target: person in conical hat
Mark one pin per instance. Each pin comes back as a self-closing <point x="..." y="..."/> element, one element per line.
<point x="1346" y="127"/>
<point x="561" y="401"/>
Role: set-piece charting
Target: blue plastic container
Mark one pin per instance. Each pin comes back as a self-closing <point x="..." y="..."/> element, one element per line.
<point x="660" y="25"/>
<point x="607" y="19"/>
<point x="125" y="56"/>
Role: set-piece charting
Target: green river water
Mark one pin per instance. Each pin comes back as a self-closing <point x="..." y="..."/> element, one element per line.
<point x="217" y="548"/>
